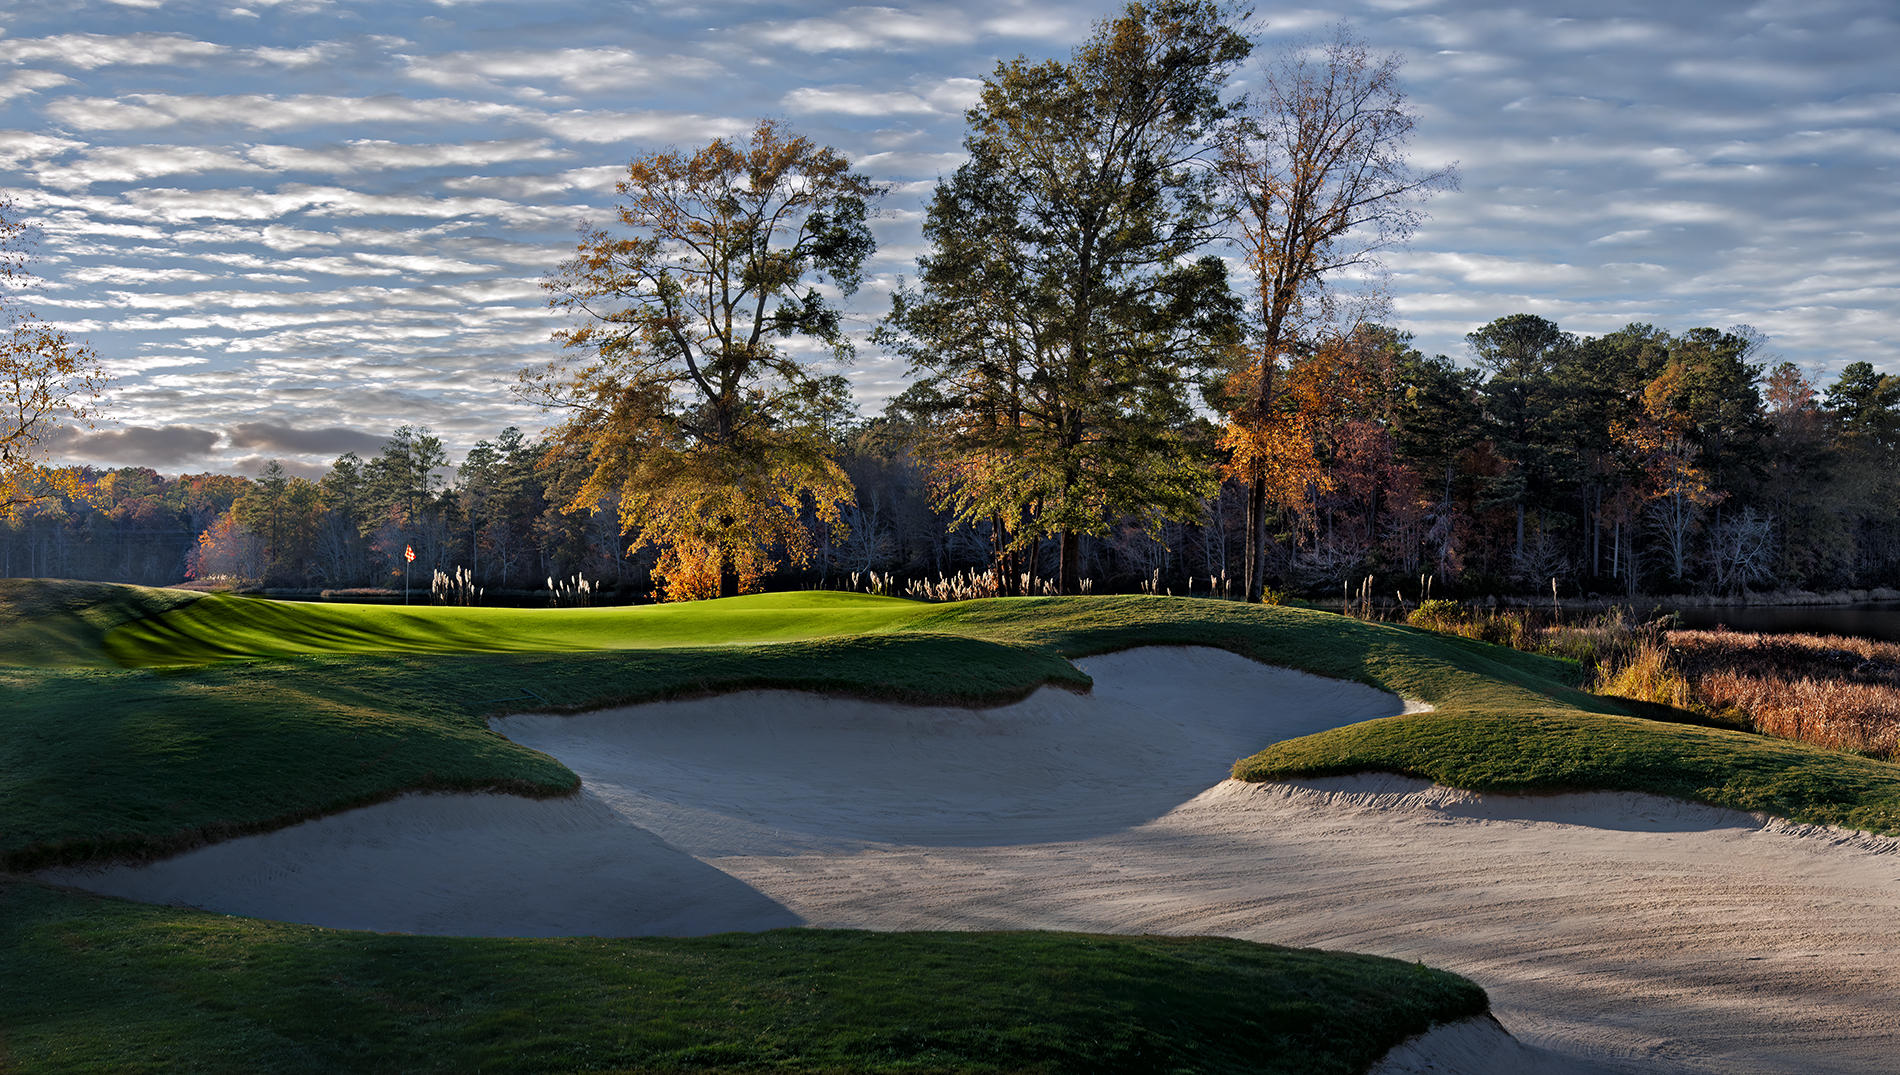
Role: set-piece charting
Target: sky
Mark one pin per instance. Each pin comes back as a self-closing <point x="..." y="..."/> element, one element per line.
<point x="290" y="226"/>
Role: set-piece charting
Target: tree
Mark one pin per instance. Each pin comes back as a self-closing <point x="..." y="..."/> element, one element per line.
<point x="1676" y="490"/>
<point x="285" y="513"/>
<point x="1060" y="315"/>
<point x="46" y="378"/>
<point x="1529" y="417"/>
<point x="1865" y="406"/>
<point x="1320" y="184"/>
<point x="500" y="500"/>
<point x="690" y="402"/>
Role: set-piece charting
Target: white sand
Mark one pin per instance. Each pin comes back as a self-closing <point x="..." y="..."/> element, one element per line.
<point x="1613" y="932"/>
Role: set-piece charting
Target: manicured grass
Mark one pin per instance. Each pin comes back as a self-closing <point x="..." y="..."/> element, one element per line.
<point x="95" y="985"/>
<point x="56" y="623"/>
<point x="222" y="627"/>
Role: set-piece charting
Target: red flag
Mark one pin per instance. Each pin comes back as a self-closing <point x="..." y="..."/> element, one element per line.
<point x="409" y="553"/>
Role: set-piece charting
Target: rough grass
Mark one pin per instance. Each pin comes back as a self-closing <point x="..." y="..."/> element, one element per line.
<point x="95" y="985"/>
<point x="1835" y="692"/>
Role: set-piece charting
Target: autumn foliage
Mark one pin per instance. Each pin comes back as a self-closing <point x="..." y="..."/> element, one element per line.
<point x="46" y="379"/>
<point x="698" y="424"/>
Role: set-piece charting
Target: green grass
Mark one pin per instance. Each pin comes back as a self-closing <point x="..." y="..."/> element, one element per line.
<point x="95" y="985"/>
<point x="55" y="623"/>
<point x="223" y="628"/>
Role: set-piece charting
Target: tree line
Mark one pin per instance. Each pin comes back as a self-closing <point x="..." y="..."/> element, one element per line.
<point x="1637" y="461"/>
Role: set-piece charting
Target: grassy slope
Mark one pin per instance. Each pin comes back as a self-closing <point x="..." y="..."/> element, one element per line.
<point x="55" y="623"/>
<point x="223" y="627"/>
<point x="88" y="984"/>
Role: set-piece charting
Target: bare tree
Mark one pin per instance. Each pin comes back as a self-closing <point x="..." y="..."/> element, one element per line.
<point x="1320" y="183"/>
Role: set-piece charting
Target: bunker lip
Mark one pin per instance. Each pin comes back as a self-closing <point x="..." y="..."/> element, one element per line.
<point x="1621" y="930"/>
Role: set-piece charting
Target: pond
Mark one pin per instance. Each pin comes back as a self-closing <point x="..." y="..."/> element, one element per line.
<point x="1880" y="621"/>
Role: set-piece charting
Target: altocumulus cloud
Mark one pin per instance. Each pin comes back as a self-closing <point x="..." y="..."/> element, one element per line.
<point x="327" y="210"/>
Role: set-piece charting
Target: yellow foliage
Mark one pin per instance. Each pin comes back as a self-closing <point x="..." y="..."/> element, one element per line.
<point x="45" y="378"/>
<point x="1279" y="449"/>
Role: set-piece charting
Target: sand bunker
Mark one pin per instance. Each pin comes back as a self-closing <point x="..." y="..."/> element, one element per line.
<point x="1613" y="932"/>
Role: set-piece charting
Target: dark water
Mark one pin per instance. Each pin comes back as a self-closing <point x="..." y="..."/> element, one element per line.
<point x="1881" y="621"/>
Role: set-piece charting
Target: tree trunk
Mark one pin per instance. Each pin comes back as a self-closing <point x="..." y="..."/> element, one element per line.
<point x="1257" y="539"/>
<point x="1069" y="571"/>
<point x="728" y="575"/>
<point x="999" y="554"/>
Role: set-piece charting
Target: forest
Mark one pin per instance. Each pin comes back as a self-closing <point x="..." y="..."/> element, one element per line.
<point x="1642" y="461"/>
<point x="1147" y="350"/>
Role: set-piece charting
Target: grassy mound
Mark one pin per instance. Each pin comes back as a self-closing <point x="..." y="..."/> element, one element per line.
<point x="89" y="984"/>
<point x="56" y="623"/>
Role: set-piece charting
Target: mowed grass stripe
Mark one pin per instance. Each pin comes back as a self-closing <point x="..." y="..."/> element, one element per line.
<point x="236" y="628"/>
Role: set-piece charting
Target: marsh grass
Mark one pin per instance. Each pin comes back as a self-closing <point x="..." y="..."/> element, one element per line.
<point x="1837" y="692"/>
<point x="1831" y="691"/>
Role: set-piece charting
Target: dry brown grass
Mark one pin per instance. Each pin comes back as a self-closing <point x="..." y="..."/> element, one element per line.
<point x="1836" y="692"/>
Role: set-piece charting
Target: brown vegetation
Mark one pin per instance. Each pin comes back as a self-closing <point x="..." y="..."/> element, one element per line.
<point x="1842" y="693"/>
<point x="1835" y="692"/>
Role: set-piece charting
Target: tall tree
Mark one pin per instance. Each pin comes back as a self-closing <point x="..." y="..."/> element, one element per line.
<point x="687" y="402"/>
<point x="284" y="513"/>
<point x="1865" y="407"/>
<point x="1061" y="316"/>
<point x="1320" y="182"/>
<point x="1527" y="408"/>
<point x="46" y="378"/>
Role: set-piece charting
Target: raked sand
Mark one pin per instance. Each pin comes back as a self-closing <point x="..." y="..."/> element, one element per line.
<point x="1612" y="931"/>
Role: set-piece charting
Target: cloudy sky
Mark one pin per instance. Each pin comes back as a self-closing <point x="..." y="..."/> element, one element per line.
<point x="289" y="226"/>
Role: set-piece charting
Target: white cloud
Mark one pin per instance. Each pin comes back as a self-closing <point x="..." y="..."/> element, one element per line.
<point x="861" y="28"/>
<point x="856" y="101"/>
<point x="125" y="164"/>
<point x="90" y="51"/>
<point x="642" y="129"/>
<point x="19" y="147"/>
<point x="267" y="112"/>
<point x="22" y="83"/>
<point x="379" y="155"/>
<point x="577" y="70"/>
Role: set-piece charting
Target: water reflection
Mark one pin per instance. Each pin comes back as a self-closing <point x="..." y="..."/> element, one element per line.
<point x="1879" y="621"/>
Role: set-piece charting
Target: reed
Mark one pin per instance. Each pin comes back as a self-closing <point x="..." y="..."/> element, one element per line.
<point x="1836" y="692"/>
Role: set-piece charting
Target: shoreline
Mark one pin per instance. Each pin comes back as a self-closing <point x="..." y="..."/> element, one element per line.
<point x="1879" y="595"/>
